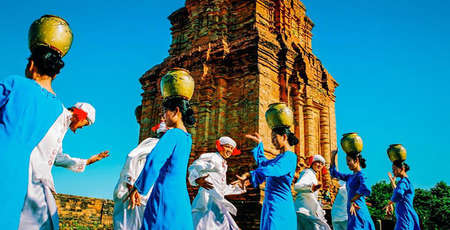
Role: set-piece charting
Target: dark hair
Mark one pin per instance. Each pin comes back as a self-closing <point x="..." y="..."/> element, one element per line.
<point x="358" y="156"/>
<point x="47" y="61"/>
<point x="185" y="108"/>
<point x="292" y="139"/>
<point x="401" y="164"/>
<point x="138" y="111"/>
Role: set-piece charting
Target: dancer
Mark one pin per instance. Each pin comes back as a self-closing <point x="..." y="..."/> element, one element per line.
<point x="310" y="215"/>
<point x="39" y="208"/>
<point x="210" y="209"/>
<point x="28" y="107"/>
<point x="125" y="217"/>
<point x="168" y="206"/>
<point x="403" y="197"/>
<point x="357" y="211"/>
<point x="339" y="210"/>
<point x="278" y="207"/>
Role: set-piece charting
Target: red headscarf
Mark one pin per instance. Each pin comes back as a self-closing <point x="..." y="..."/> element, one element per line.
<point x="156" y="127"/>
<point x="79" y="114"/>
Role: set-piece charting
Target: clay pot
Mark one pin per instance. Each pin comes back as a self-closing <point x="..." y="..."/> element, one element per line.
<point x="51" y="31"/>
<point x="396" y="152"/>
<point x="177" y="83"/>
<point x="278" y="115"/>
<point x="351" y="143"/>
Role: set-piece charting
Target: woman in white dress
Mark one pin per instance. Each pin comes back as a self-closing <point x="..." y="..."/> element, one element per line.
<point x="310" y="215"/>
<point x="210" y="209"/>
<point x="39" y="210"/>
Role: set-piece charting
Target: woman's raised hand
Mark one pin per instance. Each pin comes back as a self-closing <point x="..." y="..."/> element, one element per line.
<point x="392" y="179"/>
<point x="255" y="137"/>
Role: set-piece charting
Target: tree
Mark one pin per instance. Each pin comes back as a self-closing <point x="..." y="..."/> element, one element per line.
<point x="422" y="205"/>
<point x="440" y="206"/>
<point x="379" y="197"/>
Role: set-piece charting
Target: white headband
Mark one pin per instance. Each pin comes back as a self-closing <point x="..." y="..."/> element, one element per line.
<point x="318" y="158"/>
<point x="227" y="140"/>
<point x="89" y="109"/>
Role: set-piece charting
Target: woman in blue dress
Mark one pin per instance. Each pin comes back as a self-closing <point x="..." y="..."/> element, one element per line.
<point x="357" y="189"/>
<point x="28" y="108"/>
<point x="278" y="207"/>
<point x="168" y="206"/>
<point x="403" y="197"/>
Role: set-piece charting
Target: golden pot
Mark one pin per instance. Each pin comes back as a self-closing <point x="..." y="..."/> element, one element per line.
<point x="279" y="114"/>
<point x="51" y="31"/>
<point x="351" y="143"/>
<point x="177" y="82"/>
<point x="396" y="152"/>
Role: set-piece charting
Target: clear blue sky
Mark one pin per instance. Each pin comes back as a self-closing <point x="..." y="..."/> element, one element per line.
<point x="391" y="59"/>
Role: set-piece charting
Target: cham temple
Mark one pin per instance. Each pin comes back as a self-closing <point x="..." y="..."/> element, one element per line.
<point x="243" y="56"/>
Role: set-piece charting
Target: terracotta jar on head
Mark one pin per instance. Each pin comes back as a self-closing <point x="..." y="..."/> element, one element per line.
<point x="396" y="152"/>
<point x="50" y="31"/>
<point x="351" y="143"/>
<point x="279" y="115"/>
<point x="177" y="82"/>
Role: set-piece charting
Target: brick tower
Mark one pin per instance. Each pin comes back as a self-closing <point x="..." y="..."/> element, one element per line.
<point x="245" y="55"/>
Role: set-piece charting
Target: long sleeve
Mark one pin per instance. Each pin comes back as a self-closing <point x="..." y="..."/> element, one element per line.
<point x="341" y="176"/>
<point x="276" y="167"/>
<point x="199" y="167"/>
<point x="256" y="178"/>
<point x="399" y="191"/>
<point x="305" y="182"/>
<point x="66" y="161"/>
<point x="136" y="160"/>
<point x="121" y="189"/>
<point x="258" y="154"/>
<point x="133" y="166"/>
<point x="155" y="161"/>
<point x="363" y="189"/>
<point x="129" y="175"/>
